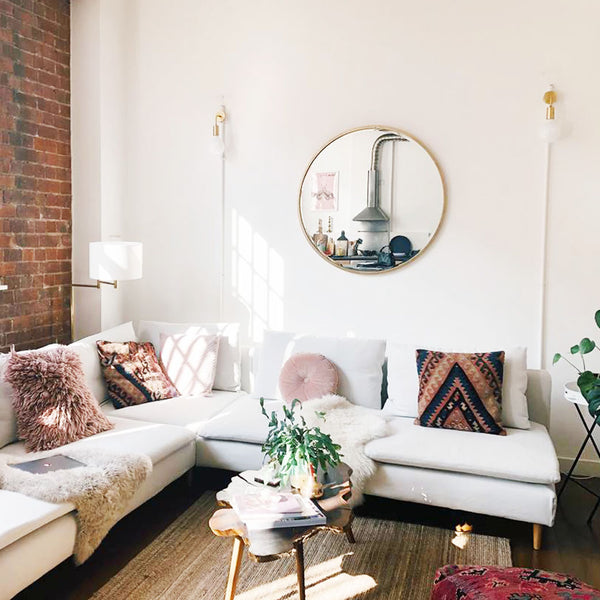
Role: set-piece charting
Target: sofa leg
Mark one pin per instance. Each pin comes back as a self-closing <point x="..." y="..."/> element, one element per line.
<point x="537" y="536"/>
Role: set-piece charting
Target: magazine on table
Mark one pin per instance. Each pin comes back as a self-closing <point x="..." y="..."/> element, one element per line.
<point x="273" y="510"/>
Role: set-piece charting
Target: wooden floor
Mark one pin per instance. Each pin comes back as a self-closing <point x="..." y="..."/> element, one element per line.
<point x="570" y="546"/>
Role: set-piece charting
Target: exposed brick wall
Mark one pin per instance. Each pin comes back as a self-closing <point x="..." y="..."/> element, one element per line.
<point x="35" y="173"/>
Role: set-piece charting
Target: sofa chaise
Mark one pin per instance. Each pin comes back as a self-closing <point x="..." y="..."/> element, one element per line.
<point x="512" y="476"/>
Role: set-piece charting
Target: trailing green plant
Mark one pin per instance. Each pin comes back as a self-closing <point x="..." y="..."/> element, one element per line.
<point x="587" y="381"/>
<point x="292" y="444"/>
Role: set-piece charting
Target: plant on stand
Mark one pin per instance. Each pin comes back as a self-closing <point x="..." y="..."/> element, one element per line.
<point x="298" y="451"/>
<point x="587" y="381"/>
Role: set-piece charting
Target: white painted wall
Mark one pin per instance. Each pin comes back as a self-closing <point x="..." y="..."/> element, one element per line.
<point x="464" y="77"/>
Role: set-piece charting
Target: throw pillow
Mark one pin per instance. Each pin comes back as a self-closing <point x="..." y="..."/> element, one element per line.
<point x="88" y="352"/>
<point x="461" y="391"/>
<point x="228" y="375"/>
<point x="133" y="373"/>
<point x="52" y="402"/>
<point x="403" y="382"/>
<point x="190" y="361"/>
<point x="307" y="376"/>
<point x="8" y="421"/>
<point x="359" y="363"/>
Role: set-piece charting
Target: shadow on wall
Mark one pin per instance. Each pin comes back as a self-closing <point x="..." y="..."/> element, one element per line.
<point x="257" y="277"/>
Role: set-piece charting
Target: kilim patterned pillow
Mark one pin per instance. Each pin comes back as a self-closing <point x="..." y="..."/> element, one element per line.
<point x="461" y="391"/>
<point x="133" y="373"/>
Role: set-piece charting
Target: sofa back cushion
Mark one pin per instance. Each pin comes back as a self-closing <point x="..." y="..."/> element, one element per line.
<point x="88" y="353"/>
<point x="403" y="383"/>
<point x="227" y="376"/>
<point x="8" y="420"/>
<point x="359" y="364"/>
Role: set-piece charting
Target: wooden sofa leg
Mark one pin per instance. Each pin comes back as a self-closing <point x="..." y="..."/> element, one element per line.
<point x="537" y="536"/>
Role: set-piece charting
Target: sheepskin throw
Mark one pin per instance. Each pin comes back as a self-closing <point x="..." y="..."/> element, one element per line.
<point x="100" y="491"/>
<point x="52" y="402"/>
<point x="351" y="427"/>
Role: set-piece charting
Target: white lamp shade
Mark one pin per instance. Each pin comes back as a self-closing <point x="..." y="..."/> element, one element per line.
<point x="551" y="130"/>
<point x="217" y="145"/>
<point x="115" y="261"/>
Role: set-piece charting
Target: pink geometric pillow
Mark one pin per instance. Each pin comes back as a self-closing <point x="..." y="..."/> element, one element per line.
<point x="307" y="376"/>
<point x="190" y="361"/>
<point x="52" y="401"/>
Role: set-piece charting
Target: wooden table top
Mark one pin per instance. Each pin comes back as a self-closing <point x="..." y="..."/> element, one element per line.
<point x="269" y="544"/>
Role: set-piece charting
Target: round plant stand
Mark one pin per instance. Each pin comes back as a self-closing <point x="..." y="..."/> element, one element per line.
<point x="573" y="395"/>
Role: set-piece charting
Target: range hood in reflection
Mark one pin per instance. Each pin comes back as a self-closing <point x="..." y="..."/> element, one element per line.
<point x="373" y="212"/>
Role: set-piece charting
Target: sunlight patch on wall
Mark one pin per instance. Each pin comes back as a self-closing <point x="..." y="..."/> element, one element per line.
<point x="257" y="277"/>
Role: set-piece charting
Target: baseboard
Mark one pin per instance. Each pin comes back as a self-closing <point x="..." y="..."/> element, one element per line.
<point x="585" y="466"/>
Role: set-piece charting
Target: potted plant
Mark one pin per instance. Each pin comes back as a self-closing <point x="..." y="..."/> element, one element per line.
<point x="297" y="450"/>
<point x="587" y="381"/>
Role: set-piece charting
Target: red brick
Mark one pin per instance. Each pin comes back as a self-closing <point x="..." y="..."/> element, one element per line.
<point x="35" y="175"/>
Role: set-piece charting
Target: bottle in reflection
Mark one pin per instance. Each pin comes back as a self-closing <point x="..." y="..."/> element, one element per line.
<point x="341" y="245"/>
<point x="320" y="239"/>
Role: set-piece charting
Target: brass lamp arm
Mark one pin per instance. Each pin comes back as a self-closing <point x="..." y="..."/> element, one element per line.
<point x="95" y="285"/>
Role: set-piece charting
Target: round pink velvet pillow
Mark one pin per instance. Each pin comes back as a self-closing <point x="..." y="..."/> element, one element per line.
<point x="307" y="376"/>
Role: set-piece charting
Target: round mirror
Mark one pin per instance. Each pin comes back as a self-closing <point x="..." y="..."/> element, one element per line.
<point x="371" y="200"/>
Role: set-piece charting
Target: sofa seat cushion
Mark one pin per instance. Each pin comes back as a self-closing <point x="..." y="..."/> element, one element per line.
<point x="191" y="412"/>
<point x="241" y="421"/>
<point x="522" y="455"/>
<point x="20" y="515"/>
<point x="152" y="439"/>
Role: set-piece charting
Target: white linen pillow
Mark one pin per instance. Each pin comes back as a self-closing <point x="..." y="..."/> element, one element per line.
<point x="359" y="364"/>
<point x="190" y="361"/>
<point x="228" y="374"/>
<point x="403" y="383"/>
<point x="88" y="353"/>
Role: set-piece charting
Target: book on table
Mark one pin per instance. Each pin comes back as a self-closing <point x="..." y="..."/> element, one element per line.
<point x="267" y="510"/>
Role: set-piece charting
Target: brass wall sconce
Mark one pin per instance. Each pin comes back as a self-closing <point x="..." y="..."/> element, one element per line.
<point x="218" y="142"/>
<point x="551" y="130"/>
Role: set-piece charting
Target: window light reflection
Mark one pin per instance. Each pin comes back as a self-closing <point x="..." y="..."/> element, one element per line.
<point x="257" y="277"/>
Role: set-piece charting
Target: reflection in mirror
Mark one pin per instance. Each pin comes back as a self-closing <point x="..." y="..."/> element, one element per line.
<point x="371" y="200"/>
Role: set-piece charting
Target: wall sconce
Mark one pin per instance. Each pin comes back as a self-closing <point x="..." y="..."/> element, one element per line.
<point x="551" y="130"/>
<point x="110" y="262"/>
<point x="218" y="142"/>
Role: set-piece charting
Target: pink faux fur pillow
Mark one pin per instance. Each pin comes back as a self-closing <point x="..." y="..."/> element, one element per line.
<point x="52" y="402"/>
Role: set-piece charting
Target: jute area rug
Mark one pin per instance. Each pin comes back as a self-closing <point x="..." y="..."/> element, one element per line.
<point x="390" y="560"/>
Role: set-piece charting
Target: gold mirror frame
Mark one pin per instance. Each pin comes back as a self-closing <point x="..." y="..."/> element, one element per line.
<point x="434" y="233"/>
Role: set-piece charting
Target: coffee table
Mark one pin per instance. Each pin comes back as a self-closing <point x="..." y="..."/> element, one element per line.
<point x="270" y="544"/>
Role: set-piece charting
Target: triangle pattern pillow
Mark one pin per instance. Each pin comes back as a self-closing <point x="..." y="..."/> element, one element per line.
<point x="461" y="391"/>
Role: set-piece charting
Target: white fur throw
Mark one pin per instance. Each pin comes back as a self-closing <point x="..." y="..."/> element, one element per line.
<point x="351" y="427"/>
<point x="100" y="491"/>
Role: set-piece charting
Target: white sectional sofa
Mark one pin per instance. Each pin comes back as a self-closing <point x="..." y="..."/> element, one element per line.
<point x="511" y="476"/>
